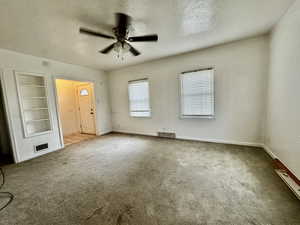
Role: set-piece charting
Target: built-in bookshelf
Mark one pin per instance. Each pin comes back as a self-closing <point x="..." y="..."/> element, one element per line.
<point x="33" y="100"/>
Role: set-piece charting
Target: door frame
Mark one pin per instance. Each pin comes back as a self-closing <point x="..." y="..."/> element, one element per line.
<point x="13" y="141"/>
<point x="70" y="78"/>
<point x="78" y="104"/>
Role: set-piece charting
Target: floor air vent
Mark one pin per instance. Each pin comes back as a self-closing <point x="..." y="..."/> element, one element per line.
<point x="166" y="135"/>
<point x="41" y="147"/>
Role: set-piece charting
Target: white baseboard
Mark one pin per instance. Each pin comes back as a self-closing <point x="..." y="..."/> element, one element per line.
<point x="221" y="141"/>
<point x="136" y="133"/>
<point x="269" y="151"/>
<point x="289" y="182"/>
<point x="104" y="132"/>
<point x="218" y="141"/>
<point x="274" y="156"/>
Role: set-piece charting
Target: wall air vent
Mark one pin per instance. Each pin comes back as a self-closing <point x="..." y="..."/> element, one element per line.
<point x="166" y="135"/>
<point x="41" y="147"/>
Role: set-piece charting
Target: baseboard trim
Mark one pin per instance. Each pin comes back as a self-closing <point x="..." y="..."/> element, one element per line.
<point x="134" y="133"/>
<point x="217" y="141"/>
<point x="104" y="133"/>
<point x="269" y="151"/>
<point x="291" y="180"/>
<point x="221" y="141"/>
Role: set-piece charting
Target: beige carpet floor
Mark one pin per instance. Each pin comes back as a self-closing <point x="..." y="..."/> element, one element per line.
<point x="133" y="180"/>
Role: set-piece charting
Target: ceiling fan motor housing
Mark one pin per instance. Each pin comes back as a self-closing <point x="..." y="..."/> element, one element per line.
<point x="121" y="33"/>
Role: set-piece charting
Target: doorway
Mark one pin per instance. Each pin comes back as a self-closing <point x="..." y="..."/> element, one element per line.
<point x="76" y="110"/>
<point x="6" y="153"/>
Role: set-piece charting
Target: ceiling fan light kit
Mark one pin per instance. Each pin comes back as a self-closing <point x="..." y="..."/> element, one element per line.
<point x="121" y="34"/>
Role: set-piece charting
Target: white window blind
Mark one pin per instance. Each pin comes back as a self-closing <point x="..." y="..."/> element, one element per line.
<point x="197" y="93"/>
<point x="139" y="104"/>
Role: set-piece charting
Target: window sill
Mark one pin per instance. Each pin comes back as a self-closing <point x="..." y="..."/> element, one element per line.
<point x="197" y="117"/>
<point x="148" y="116"/>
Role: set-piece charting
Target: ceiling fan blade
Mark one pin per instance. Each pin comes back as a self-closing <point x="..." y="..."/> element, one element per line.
<point x="123" y="21"/>
<point x="151" y="37"/>
<point x="94" y="33"/>
<point x="107" y="49"/>
<point x="134" y="51"/>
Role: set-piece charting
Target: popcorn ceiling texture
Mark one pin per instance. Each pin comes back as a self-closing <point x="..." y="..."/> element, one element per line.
<point x="50" y="28"/>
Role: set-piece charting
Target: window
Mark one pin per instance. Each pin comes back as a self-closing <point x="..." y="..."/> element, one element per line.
<point x="139" y="104"/>
<point x="197" y="94"/>
<point x="84" y="92"/>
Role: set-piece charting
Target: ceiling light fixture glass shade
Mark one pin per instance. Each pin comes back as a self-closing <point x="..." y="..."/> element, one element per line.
<point x="121" y="49"/>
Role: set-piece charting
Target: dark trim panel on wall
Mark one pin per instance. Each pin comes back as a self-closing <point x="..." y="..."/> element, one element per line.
<point x="6" y="155"/>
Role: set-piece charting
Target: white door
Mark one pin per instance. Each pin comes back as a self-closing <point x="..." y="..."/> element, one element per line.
<point x="86" y="109"/>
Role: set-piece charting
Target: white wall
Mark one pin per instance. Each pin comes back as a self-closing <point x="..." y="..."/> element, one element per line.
<point x="283" y="114"/>
<point x="68" y="107"/>
<point x="240" y="81"/>
<point x="10" y="61"/>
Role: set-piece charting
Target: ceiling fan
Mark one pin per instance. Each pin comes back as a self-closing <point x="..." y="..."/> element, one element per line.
<point x="121" y="32"/>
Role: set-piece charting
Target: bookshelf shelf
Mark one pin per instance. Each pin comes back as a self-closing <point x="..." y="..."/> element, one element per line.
<point x="32" y="91"/>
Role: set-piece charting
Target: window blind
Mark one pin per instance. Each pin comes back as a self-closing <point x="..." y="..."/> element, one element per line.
<point x="197" y="93"/>
<point x="139" y="104"/>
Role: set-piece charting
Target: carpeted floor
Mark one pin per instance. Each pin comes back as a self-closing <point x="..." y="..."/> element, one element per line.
<point x="133" y="180"/>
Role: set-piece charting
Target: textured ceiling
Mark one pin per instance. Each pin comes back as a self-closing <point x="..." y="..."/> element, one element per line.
<point x="49" y="28"/>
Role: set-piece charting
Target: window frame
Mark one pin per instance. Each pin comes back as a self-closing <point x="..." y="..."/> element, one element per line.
<point x="181" y="115"/>
<point x="149" y="97"/>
